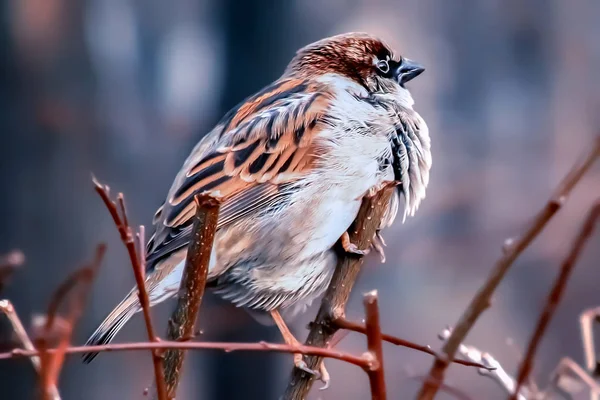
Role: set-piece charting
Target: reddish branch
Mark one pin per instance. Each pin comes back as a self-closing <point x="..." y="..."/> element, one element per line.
<point x="7" y="308"/>
<point x="360" y="361"/>
<point x="127" y="237"/>
<point x="512" y="249"/>
<point x="343" y="323"/>
<point x="375" y="346"/>
<point x="334" y="302"/>
<point x="181" y="324"/>
<point x="73" y="292"/>
<point x="555" y="294"/>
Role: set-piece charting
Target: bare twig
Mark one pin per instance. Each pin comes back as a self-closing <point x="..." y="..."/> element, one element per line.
<point x="7" y="308"/>
<point x="74" y="291"/>
<point x="587" y="320"/>
<point x="139" y="272"/>
<point x="555" y="294"/>
<point x="337" y="294"/>
<point x="512" y="249"/>
<point x="562" y="378"/>
<point x="192" y="286"/>
<point x="375" y="346"/>
<point x="9" y="263"/>
<point x="493" y="369"/>
<point x="344" y="323"/>
<point x="359" y="361"/>
<point x="141" y="237"/>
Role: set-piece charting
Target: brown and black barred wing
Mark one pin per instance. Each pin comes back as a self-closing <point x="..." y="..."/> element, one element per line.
<point x="257" y="151"/>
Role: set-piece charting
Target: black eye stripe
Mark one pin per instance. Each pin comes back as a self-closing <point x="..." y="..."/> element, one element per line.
<point x="390" y="70"/>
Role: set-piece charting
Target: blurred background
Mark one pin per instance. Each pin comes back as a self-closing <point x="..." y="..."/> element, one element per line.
<point x="125" y="88"/>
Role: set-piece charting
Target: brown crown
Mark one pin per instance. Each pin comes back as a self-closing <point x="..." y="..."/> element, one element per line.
<point x="349" y="54"/>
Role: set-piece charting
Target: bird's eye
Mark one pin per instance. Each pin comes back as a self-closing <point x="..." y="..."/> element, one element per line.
<point x="383" y="66"/>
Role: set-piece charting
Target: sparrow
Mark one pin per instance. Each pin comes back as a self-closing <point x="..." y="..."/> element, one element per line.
<point x="292" y="164"/>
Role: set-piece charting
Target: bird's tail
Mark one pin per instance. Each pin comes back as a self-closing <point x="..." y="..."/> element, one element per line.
<point x="112" y="324"/>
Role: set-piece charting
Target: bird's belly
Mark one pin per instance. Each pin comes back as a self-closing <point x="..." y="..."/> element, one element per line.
<point x="323" y="224"/>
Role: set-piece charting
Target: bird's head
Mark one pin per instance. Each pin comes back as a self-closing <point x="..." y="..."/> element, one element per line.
<point x="358" y="56"/>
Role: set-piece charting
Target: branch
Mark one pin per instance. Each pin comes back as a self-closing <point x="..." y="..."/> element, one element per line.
<point x="359" y="361"/>
<point x="374" y="343"/>
<point x="512" y="249"/>
<point x="337" y="294"/>
<point x="586" y="321"/>
<point x="555" y="294"/>
<point x="493" y="369"/>
<point x="74" y="291"/>
<point x="562" y="379"/>
<point x="181" y="324"/>
<point x="9" y="263"/>
<point x="7" y="308"/>
<point x="121" y="222"/>
<point x="343" y="323"/>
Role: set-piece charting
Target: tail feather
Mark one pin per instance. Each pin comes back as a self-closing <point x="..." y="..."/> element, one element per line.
<point x="111" y="325"/>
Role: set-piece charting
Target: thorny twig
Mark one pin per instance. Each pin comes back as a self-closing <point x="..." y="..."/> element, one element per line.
<point x="556" y="293"/>
<point x="139" y="271"/>
<point x="193" y="282"/>
<point x="512" y="249"/>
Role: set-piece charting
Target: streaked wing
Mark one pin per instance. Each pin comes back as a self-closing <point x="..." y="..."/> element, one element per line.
<point x="249" y="159"/>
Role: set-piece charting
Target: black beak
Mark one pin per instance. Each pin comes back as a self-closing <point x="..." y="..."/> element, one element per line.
<point x="408" y="70"/>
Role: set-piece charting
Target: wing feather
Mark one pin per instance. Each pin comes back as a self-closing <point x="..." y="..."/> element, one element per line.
<point x="250" y="159"/>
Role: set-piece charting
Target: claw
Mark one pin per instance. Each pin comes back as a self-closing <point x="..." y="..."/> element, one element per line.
<point x="324" y="376"/>
<point x="301" y="364"/>
<point x="380" y="238"/>
<point x="378" y="243"/>
<point x="350" y="247"/>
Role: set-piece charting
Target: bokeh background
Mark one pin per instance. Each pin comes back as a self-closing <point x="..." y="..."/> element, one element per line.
<point x="125" y="88"/>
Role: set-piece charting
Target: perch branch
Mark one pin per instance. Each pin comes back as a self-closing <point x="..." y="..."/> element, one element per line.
<point x="183" y="319"/>
<point x="375" y="346"/>
<point x="139" y="273"/>
<point x="555" y="294"/>
<point x="334" y="302"/>
<point x="512" y="249"/>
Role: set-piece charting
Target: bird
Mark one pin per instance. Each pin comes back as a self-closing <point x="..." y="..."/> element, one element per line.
<point x="292" y="164"/>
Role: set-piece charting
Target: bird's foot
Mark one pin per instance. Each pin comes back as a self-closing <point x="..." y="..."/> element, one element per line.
<point x="350" y="247"/>
<point x="378" y="243"/>
<point x="301" y="365"/>
<point x="324" y="376"/>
